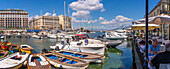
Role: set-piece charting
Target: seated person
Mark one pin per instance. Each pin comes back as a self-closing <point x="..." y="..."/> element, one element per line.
<point x="86" y="41"/>
<point x="142" y="46"/>
<point x="150" y="43"/>
<point x="162" y="58"/>
<point x="155" y="48"/>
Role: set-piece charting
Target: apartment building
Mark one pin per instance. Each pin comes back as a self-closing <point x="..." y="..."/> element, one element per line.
<point x="13" y="18"/>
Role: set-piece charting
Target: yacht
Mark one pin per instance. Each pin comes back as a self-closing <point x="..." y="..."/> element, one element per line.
<point x="118" y="34"/>
<point x="78" y="44"/>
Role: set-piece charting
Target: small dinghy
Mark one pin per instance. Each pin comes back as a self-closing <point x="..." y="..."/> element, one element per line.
<point x="26" y="48"/>
<point x="61" y="61"/>
<point x="5" y="45"/>
<point x="14" y="61"/>
<point x="89" y="57"/>
<point x="37" y="61"/>
<point x="3" y="53"/>
<point x="14" y="48"/>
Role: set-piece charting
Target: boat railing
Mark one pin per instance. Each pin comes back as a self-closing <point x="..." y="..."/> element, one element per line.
<point x="142" y="56"/>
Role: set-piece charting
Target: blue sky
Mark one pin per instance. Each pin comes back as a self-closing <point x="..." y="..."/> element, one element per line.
<point x="96" y="14"/>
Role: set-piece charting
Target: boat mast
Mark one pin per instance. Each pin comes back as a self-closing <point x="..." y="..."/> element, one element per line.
<point x="64" y="17"/>
<point x="53" y="18"/>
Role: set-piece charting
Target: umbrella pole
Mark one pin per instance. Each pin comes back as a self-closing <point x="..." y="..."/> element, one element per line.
<point x="162" y="34"/>
<point x="168" y="31"/>
<point x="146" y="50"/>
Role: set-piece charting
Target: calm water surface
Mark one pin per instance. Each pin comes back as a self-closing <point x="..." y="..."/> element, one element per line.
<point x="113" y="61"/>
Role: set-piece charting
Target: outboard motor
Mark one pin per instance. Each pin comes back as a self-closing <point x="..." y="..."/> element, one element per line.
<point x="44" y="50"/>
<point x="57" y="48"/>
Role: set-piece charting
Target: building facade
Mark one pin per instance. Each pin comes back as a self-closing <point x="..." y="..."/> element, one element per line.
<point x="13" y="18"/>
<point x="51" y="22"/>
<point x="65" y="22"/>
<point x="163" y="7"/>
<point x="45" y="22"/>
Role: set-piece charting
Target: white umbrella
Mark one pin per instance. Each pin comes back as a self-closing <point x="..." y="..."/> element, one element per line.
<point x="142" y="26"/>
<point x="161" y="19"/>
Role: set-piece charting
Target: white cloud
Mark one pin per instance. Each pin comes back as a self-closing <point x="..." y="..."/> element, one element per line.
<point x="101" y="18"/>
<point x="74" y="20"/>
<point x="30" y="18"/>
<point x="118" y="19"/>
<point x="108" y="22"/>
<point x="102" y="10"/>
<point x="47" y="14"/>
<point x="36" y="16"/>
<point x="54" y="14"/>
<point x="85" y="6"/>
<point x="121" y="18"/>
<point x="81" y="14"/>
<point x="92" y="21"/>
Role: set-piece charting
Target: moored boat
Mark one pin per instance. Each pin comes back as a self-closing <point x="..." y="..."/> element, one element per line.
<point x="37" y="36"/>
<point x="14" y="61"/>
<point x="52" y="36"/>
<point x="37" y="61"/>
<point x="26" y="48"/>
<point x="3" y="53"/>
<point x="61" y="61"/>
<point x="5" y="45"/>
<point x="14" y="48"/>
<point x="89" y="57"/>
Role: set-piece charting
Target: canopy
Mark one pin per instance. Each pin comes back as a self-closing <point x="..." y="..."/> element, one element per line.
<point x="33" y="31"/>
<point x="142" y="26"/>
<point x="161" y="19"/>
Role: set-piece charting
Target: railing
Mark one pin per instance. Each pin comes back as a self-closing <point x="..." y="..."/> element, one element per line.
<point x="142" y="56"/>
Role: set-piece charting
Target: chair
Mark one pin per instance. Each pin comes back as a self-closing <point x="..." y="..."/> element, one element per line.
<point x="164" y="66"/>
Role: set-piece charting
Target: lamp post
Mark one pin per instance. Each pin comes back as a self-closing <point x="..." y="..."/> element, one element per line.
<point x="146" y="50"/>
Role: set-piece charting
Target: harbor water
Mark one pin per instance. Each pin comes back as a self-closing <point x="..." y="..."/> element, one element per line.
<point x="119" y="59"/>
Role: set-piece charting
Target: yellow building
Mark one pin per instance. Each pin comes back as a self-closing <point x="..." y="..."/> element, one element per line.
<point x="163" y="7"/>
<point x="51" y="22"/>
<point x="65" y="22"/>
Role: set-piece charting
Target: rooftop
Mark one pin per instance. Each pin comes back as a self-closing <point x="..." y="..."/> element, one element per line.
<point x="12" y="10"/>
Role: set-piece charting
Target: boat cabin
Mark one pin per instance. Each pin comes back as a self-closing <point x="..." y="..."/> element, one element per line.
<point x="80" y="36"/>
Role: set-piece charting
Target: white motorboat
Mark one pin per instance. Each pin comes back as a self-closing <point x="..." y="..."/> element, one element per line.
<point x="14" y="61"/>
<point x="37" y="36"/>
<point x="115" y="35"/>
<point x="110" y="43"/>
<point x="2" y="37"/>
<point x="94" y="46"/>
<point x="52" y="36"/>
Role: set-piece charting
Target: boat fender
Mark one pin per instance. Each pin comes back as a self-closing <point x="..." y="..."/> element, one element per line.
<point x="60" y="66"/>
<point x="25" y="63"/>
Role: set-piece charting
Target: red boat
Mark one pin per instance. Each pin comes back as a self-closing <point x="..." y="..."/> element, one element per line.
<point x="5" y="45"/>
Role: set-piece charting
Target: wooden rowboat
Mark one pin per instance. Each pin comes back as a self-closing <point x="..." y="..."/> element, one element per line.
<point x="37" y="61"/>
<point x="89" y="57"/>
<point x="26" y="48"/>
<point x="14" y="48"/>
<point x="3" y="53"/>
<point x="14" y="61"/>
<point x="61" y="61"/>
<point x="5" y="45"/>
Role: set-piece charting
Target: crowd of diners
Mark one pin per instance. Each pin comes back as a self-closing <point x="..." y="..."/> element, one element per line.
<point x="156" y="55"/>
